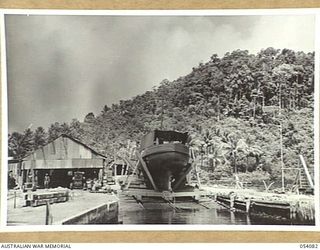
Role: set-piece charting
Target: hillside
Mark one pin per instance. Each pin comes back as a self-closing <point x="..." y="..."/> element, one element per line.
<point x="229" y="105"/>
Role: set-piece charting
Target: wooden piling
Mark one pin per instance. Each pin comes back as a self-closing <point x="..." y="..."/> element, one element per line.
<point x="248" y="205"/>
<point x="293" y="211"/>
<point x="215" y="197"/>
<point x="232" y="199"/>
<point x="298" y="209"/>
<point x="48" y="214"/>
<point x="15" y="199"/>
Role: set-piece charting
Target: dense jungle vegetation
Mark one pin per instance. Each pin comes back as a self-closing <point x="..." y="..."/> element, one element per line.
<point x="229" y="106"/>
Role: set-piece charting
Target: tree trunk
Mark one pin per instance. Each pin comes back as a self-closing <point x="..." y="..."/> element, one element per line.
<point x="257" y="160"/>
<point x="218" y="107"/>
<point x="247" y="164"/>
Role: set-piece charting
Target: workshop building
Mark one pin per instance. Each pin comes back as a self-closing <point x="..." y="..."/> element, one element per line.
<point x="60" y="159"/>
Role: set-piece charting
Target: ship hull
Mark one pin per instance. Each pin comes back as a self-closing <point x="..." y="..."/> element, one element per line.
<point x="168" y="165"/>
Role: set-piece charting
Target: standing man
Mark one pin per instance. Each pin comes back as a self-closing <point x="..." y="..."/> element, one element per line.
<point x="46" y="181"/>
<point x="11" y="181"/>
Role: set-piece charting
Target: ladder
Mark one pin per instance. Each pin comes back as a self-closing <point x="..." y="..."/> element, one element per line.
<point x="306" y="184"/>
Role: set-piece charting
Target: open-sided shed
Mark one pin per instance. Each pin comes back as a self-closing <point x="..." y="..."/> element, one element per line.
<point x="59" y="159"/>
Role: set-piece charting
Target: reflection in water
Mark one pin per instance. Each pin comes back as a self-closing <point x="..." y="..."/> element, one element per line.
<point x="213" y="216"/>
<point x="232" y="218"/>
<point x="201" y="216"/>
<point x="248" y="219"/>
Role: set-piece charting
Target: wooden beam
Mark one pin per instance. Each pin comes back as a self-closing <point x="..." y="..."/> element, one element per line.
<point x="306" y="171"/>
<point x="134" y="169"/>
<point x="145" y="168"/>
<point x="153" y="193"/>
<point x="129" y="162"/>
<point x="128" y="179"/>
<point x="182" y="177"/>
<point x="197" y="175"/>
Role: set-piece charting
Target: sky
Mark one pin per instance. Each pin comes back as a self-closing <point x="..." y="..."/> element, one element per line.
<point x="63" y="67"/>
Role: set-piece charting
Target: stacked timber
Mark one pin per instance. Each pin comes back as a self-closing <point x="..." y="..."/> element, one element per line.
<point x="38" y="198"/>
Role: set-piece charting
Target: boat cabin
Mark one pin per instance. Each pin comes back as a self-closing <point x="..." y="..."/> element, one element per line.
<point x="157" y="137"/>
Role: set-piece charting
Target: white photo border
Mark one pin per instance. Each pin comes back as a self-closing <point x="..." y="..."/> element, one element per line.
<point x="252" y="12"/>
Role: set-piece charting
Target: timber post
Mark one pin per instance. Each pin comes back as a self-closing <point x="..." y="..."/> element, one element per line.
<point x="182" y="177"/>
<point x="215" y="197"/>
<point x="145" y="168"/>
<point x="309" y="178"/>
<point x="197" y="175"/>
<point x="128" y="179"/>
<point x="48" y="215"/>
<point x="248" y="205"/>
<point x="134" y="170"/>
<point x="293" y="211"/>
<point x="15" y="199"/>
<point x="232" y="198"/>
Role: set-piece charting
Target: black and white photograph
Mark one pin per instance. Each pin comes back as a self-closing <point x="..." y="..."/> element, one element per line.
<point x="160" y="119"/>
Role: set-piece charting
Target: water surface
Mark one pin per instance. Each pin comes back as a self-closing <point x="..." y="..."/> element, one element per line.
<point x="217" y="215"/>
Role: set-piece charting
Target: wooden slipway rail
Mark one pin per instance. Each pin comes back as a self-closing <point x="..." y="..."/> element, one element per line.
<point x="297" y="208"/>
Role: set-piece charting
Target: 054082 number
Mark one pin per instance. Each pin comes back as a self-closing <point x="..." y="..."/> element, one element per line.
<point x="309" y="246"/>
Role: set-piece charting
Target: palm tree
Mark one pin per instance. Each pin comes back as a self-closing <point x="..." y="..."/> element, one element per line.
<point x="232" y="147"/>
<point x="253" y="151"/>
<point x="216" y="156"/>
<point x="207" y="141"/>
<point x="203" y="144"/>
<point x="195" y="146"/>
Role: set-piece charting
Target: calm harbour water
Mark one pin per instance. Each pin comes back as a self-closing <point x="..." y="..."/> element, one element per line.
<point x="203" y="216"/>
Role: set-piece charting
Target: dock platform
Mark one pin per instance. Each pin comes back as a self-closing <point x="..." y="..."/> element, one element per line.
<point x="81" y="208"/>
<point x="295" y="207"/>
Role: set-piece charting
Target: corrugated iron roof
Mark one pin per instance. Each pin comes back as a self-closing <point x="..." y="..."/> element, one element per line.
<point x="73" y="139"/>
